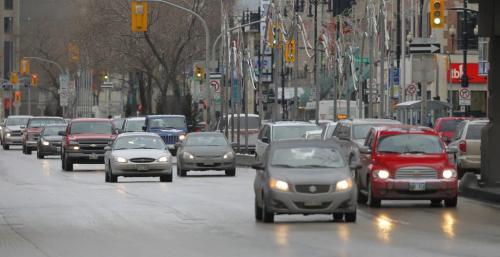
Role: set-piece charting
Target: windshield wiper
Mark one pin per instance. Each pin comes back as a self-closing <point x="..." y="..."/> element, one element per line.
<point x="312" y="166"/>
<point x="284" y="166"/>
<point x="394" y="152"/>
<point x="415" y="152"/>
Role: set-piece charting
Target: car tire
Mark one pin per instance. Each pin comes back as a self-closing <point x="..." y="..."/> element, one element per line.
<point x="258" y="211"/>
<point x="231" y="172"/>
<point x="350" y="217"/>
<point x="166" y="178"/>
<point x="24" y="150"/>
<point x="67" y="164"/>
<point x="39" y="154"/>
<point x="5" y="146"/>
<point x="451" y="203"/>
<point x="460" y="172"/>
<point x="106" y="177"/>
<point x="372" y="201"/>
<point x="267" y="216"/>
<point x="361" y="198"/>
<point x="182" y="172"/>
<point x="338" y="216"/>
<point x="28" y="150"/>
<point x="112" y="178"/>
<point x="436" y="203"/>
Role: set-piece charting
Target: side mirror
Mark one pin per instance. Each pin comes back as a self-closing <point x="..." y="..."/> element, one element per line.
<point x="62" y="133"/>
<point x="107" y="148"/>
<point x="144" y="128"/>
<point x="365" y="150"/>
<point x="265" y="140"/>
<point x="451" y="149"/>
<point x="22" y="127"/>
<point x="257" y="166"/>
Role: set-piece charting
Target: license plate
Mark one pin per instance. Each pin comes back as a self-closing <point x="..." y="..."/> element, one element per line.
<point x="417" y="186"/>
<point x="93" y="156"/>
<point x="208" y="163"/>
<point x="58" y="149"/>
<point x="142" y="167"/>
<point x="312" y="203"/>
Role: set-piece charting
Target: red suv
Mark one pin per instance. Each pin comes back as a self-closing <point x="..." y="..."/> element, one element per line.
<point x="406" y="162"/>
<point x="446" y="127"/>
<point x="84" y="141"/>
<point x="33" y="129"/>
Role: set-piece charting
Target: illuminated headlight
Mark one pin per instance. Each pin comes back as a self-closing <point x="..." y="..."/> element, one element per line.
<point x="343" y="185"/>
<point x="182" y="137"/>
<point x="382" y="174"/>
<point x="76" y="147"/>
<point x="229" y="155"/>
<point x="278" y="185"/>
<point x="7" y="135"/>
<point x="449" y="173"/>
<point x="121" y="160"/>
<point x="187" y="155"/>
<point x="163" y="159"/>
<point x="45" y="143"/>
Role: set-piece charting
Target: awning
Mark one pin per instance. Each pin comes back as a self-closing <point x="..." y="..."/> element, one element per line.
<point x="431" y="105"/>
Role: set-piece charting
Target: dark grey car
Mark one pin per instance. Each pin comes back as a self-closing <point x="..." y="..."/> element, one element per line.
<point x="203" y="151"/>
<point x="304" y="177"/>
<point x="49" y="142"/>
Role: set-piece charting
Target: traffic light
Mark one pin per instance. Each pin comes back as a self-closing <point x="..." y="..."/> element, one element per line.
<point x="24" y="67"/>
<point x="17" y="96"/>
<point x="437" y="14"/>
<point x="290" y="51"/>
<point x="14" y="78"/>
<point x="199" y="73"/>
<point x="139" y="16"/>
<point x="34" y="80"/>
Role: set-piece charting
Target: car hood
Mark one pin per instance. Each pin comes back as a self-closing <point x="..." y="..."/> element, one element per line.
<point x="91" y="136"/>
<point x="167" y="131"/>
<point x="140" y="153"/>
<point x="14" y="128"/>
<point x="394" y="162"/>
<point x="207" y="150"/>
<point x="310" y="176"/>
<point x="34" y="130"/>
<point x="52" y="138"/>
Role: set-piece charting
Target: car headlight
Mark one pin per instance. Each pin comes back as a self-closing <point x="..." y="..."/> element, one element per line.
<point x="382" y="174"/>
<point x="449" y="173"/>
<point x="343" y="185"/>
<point x="120" y="159"/>
<point x="182" y="137"/>
<point x="229" y="155"/>
<point x="187" y="155"/>
<point x="163" y="159"/>
<point x="7" y="135"/>
<point x="76" y="147"/>
<point x="45" y="143"/>
<point x="278" y="185"/>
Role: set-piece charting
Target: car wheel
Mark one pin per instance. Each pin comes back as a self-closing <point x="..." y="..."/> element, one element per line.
<point x="24" y="150"/>
<point x="436" y="203"/>
<point x="350" y="217"/>
<point x="231" y="172"/>
<point x="28" y="150"/>
<point x="39" y="154"/>
<point x="258" y="211"/>
<point x="166" y="178"/>
<point x="372" y="201"/>
<point x="267" y="216"/>
<point x="5" y="146"/>
<point x="451" y="202"/>
<point x="67" y="165"/>
<point x="338" y="216"/>
<point x="460" y="172"/>
<point x="112" y="178"/>
<point x="362" y="198"/>
<point x="106" y="177"/>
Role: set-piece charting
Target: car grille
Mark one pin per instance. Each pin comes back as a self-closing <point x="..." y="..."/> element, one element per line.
<point x="171" y="139"/>
<point x="55" y="143"/>
<point x="302" y="205"/>
<point x="142" y="160"/>
<point x="96" y="146"/>
<point x="312" y="189"/>
<point x="416" y="173"/>
<point x="33" y="137"/>
<point x="16" y="133"/>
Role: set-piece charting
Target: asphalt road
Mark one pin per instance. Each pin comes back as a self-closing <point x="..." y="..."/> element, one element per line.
<point x="47" y="212"/>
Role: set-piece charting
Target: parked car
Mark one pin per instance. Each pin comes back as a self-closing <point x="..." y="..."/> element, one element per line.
<point x="171" y="128"/>
<point x="12" y="133"/>
<point x="133" y="124"/>
<point x="84" y="141"/>
<point x="33" y="129"/>
<point x="232" y="126"/>
<point x="304" y="177"/>
<point x="203" y="151"/>
<point x="281" y="130"/>
<point x="467" y="146"/>
<point x="50" y="142"/>
<point x="405" y="162"/>
<point x="446" y="127"/>
<point x="138" y="154"/>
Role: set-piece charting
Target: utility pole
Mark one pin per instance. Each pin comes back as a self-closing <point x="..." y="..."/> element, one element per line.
<point x="296" y="63"/>
<point x="402" y="82"/>
<point x="381" y="92"/>
<point x="316" y="84"/>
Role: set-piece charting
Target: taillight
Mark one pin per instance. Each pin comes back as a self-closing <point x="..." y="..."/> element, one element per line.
<point x="462" y="146"/>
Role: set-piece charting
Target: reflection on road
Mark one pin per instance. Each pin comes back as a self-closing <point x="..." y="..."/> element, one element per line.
<point x="46" y="168"/>
<point x="343" y="232"/>
<point x="384" y="227"/>
<point x="281" y="234"/>
<point x="448" y="223"/>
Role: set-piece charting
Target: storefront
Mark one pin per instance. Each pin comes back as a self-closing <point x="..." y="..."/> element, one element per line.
<point x="478" y="86"/>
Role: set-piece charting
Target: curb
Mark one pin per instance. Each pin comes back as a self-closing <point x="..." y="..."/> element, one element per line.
<point x="470" y="187"/>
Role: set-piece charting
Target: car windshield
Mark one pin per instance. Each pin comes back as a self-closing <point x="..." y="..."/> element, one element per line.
<point x="38" y="123"/>
<point x="410" y="144"/>
<point x="53" y="131"/>
<point x="139" y="142"/>
<point x="307" y="158"/>
<point x="92" y="127"/>
<point x="474" y="131"/>
<point x="449" y="125"/>
<point x="134" y="125"/>
<point x="17" y="121"/>
<point x="206" y="140"/>
<point x="292" y="132"/>
<point x="167" y="122"/>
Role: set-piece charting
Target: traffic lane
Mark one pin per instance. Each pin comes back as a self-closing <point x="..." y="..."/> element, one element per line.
<point x="77" y="214"/>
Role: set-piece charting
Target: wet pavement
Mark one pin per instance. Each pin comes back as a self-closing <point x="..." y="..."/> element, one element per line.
<point x="47" y="212"/>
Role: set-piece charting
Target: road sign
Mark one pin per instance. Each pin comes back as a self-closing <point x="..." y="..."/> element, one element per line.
<point x="425" y="48"/>
<point x="411" y="89"/>
<point x="215" y="84"/>
<point x="464" y="97"/>
<point x="394" y="75"/>
<point x="107" y="85"/>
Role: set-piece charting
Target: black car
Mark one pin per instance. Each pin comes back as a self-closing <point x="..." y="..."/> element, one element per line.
<point x="49" y="142"/>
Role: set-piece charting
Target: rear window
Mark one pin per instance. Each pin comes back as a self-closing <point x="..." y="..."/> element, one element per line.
<point x="38" y="123"/>
<point x="292" y="132"/>
<point x="410" y="144"/>
<point x="474" y="131"/>
<point x="449" y="125"/>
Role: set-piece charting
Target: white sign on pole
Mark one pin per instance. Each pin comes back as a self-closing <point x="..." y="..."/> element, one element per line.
<point x="464" y="97"/>
<point x="64" y="89"/>
<point x="215" y="84"/>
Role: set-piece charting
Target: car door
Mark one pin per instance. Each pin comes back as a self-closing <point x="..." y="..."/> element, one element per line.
<point x="365" y="160"/>
<point x="261" y="177"/>
<point x="261" y="146"/>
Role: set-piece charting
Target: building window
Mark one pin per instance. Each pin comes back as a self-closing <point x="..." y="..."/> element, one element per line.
<point x="9" y="4"/>
<point x="483" y="56"/>
<point x="8" y="61"/>
<point x="471" y="24"/>
<point x="8" y="24"/>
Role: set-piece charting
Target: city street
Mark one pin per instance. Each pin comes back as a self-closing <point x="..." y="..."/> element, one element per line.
<point x="47" y="212"/>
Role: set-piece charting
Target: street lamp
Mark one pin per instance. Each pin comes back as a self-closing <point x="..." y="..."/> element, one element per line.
<point x="453" y="32"/>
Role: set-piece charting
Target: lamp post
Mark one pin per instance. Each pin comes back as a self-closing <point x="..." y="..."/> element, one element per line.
<point x="315" y="74"/>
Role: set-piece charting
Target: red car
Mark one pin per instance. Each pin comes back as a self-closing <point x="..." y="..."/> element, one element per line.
<point x="405" y="162"/>
<point x="446" y="127"/>
<point x="84" y="141"/>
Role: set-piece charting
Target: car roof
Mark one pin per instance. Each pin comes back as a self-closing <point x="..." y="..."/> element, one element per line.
<point x="146" y="134"/>
<point x="291" y="123"/>
<point x="452" y="118"/>
<point x="136" y="118"/>
<point x="46" y="117"/>
<point x="302" y="142"/>
<point x="371" y="121"/>
<point x="243" y="115"/>
<point x="19" y="116"/>
<point x="56" y="125"/>
<point x="164" y="115"/>
<point x="205" y="134"/>
<point x="405" y="129"/>
<point x="90" y="119"/>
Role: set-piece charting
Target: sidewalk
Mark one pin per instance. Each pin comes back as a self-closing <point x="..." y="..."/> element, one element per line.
<point x="470" y="187"/>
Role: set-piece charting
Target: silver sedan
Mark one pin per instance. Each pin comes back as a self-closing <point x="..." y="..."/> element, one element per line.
<point x="138" y="155"/>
